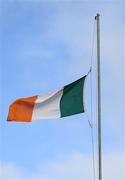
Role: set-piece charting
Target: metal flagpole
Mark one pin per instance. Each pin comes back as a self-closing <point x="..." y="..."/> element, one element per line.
<point x="97" y="18"/>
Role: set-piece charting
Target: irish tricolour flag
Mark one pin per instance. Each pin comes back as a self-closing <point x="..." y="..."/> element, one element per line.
<point x="64" y="102"/>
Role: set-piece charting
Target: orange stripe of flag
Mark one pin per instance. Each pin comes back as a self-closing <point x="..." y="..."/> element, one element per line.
<point x="21" y="110"/>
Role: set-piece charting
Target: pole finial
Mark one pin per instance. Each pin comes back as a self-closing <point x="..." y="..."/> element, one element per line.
<point x="97" y="15"/>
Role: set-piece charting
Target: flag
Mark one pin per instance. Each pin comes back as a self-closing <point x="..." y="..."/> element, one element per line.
<point x="64" y="102"/>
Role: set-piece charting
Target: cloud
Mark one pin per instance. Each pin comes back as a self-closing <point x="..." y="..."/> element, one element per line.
<point x="79" y="166"/>
<point x="10" y="171"/>
<point x="73" y="166"/>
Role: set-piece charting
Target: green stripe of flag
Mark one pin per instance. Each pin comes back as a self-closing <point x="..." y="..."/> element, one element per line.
<point x="72" y="98"/>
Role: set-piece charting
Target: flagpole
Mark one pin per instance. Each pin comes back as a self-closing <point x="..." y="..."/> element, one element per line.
<point x="97" y="18"/>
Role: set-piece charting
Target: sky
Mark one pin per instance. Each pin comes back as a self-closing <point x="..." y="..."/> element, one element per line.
<point x="44" y="46"/>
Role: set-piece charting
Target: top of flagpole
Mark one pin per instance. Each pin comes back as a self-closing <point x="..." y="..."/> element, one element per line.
<point x="97" y="16"/>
